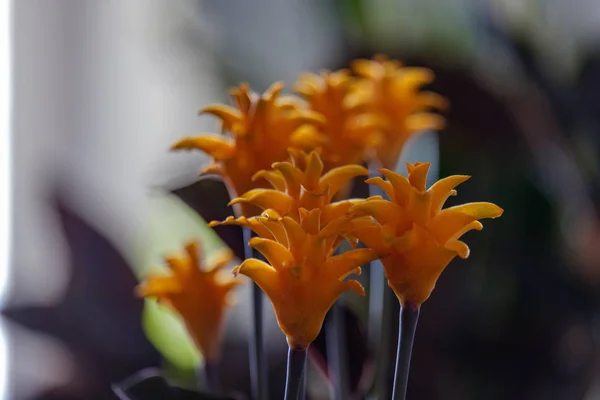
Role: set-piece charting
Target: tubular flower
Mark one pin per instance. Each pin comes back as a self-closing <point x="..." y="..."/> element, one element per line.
<point x="200" y="296"/>
<point x="349" y="128"/>
<point x="258" y="132"/>
<point x="394" y="92"/>
<point x="302" y="277"/>
<point x="418" y="236"/>
<point x="300" y="184"/>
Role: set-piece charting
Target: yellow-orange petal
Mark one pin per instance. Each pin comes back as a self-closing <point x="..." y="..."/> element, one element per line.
<point x="178" y="266"/>
<point x="276" y="228"/>
<point x="250" y="223"/>
<point x="314" y="169"/>
<point x="262" y="274"/>
<point x="227" y="114"/>
<point x="417" y="175"/>
<point x="442" y="189"/>
<point x="459" y="247"/>
<point x="294" y="230"/>
<point x="419" y="206"/>
<point x="386" y="186"/>
<point x="347" y="262"/>
<point x="213" y="168"/>
<point x="451" y="220"/>
<point x="273" y="177"/>
<point x="193" y="251"/>
<point x="367" y="68"/>
<point x="476" y="225"/>
<point x="382" y="210"/>
<point x="266" y="198"/>
<point x="400" y="184"/>
<point x="310" y="220"/>
<point x="242" y="97"/>
<point x="217" y="147"/>
<point x="424" y="121"/>
<point x="158" y="286"/>
<point x="292" y="175"/>
<point x="355" y="286"/>
<point x="339" y="177"/>
<point x="276" y="254"/>
<point x="332" y="211"/>
<point x="433" y="100"/>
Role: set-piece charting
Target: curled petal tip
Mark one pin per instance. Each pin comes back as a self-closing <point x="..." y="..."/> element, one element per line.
<point x="356" y="287"/>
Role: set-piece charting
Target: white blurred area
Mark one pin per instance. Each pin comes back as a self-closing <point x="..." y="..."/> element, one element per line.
<point x="101" y="90"/>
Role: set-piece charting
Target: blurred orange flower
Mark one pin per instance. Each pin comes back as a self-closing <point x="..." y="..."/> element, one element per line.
<point x="393" y="92"/>
<point x="418" y="236"/>
<point x="200" y="296"/>
<point x="302" y="277"/>
<point x="258" y="132"/>
<point x="350" y="128"/>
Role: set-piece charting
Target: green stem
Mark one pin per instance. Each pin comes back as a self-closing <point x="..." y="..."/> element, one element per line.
<point x="296" y="366"/>
<point x="409" y="317"/>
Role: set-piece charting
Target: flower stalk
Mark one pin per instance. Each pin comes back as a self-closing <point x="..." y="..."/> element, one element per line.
<point x="258" y="373"/>
<point x="296" y="369"/>
<point x="409" y="317"/>
<point x="336" y="352"/>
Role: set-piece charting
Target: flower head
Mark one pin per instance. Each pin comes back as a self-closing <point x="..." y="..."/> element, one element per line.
<point x="349" y="130"/>
<point x="200" y="296"/>
<point x="302" y="277"/>
<point x="394" y="92"/>
<point x="259" y="130"/>
<point x="418" y="236"/>
<point x="300" y="184"/>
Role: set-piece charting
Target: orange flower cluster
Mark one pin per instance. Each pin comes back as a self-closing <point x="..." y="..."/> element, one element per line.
<point x="284" y="159"/>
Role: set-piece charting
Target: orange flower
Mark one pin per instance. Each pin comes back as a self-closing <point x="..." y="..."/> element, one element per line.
<point x="198" y="295"/>
<point x="300" y="185"/>
<point x="394" y="92"/>
<point x="302" y="278"/>
<point x="419" y="236"/>
<point x="258" y="132"/>
<point x="349" y="128"/>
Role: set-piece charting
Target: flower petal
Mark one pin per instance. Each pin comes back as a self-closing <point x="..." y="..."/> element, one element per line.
<point x="310" y="220"/>
<point x="292" y="175"/>
<point x="262" y="274"/>
<point x="314" y="169"/>
<point x="400" y="184"/>
<point x="276" y="254"/>
<point x="383" y="211"/>
<point x="348" y="261"/>
<point x="442" y="189"/>
<point x="424" y="121"/>
<point x="459" y="248"/>
<point x="250" y="223"/>
<point x="193" y="251"/>
<point x="454" y="219"/>
<point x="419" y="206"/>
<point x="294" y="232"/>
<point x="276" y="228"/>
<point x="417" y="175"/>
<point x="266" y="198"/>
<point x="179" y="267"/>
<point x="217" y="147"/>
<point x="332" y="211"/>
<point x="158" y="286"/>
<point x="386" y="186"/>
<point x="338" y="177"/>
<point x="273" y="177"/>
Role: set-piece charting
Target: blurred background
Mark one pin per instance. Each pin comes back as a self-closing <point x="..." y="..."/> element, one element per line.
<point x="99" y="90"/>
